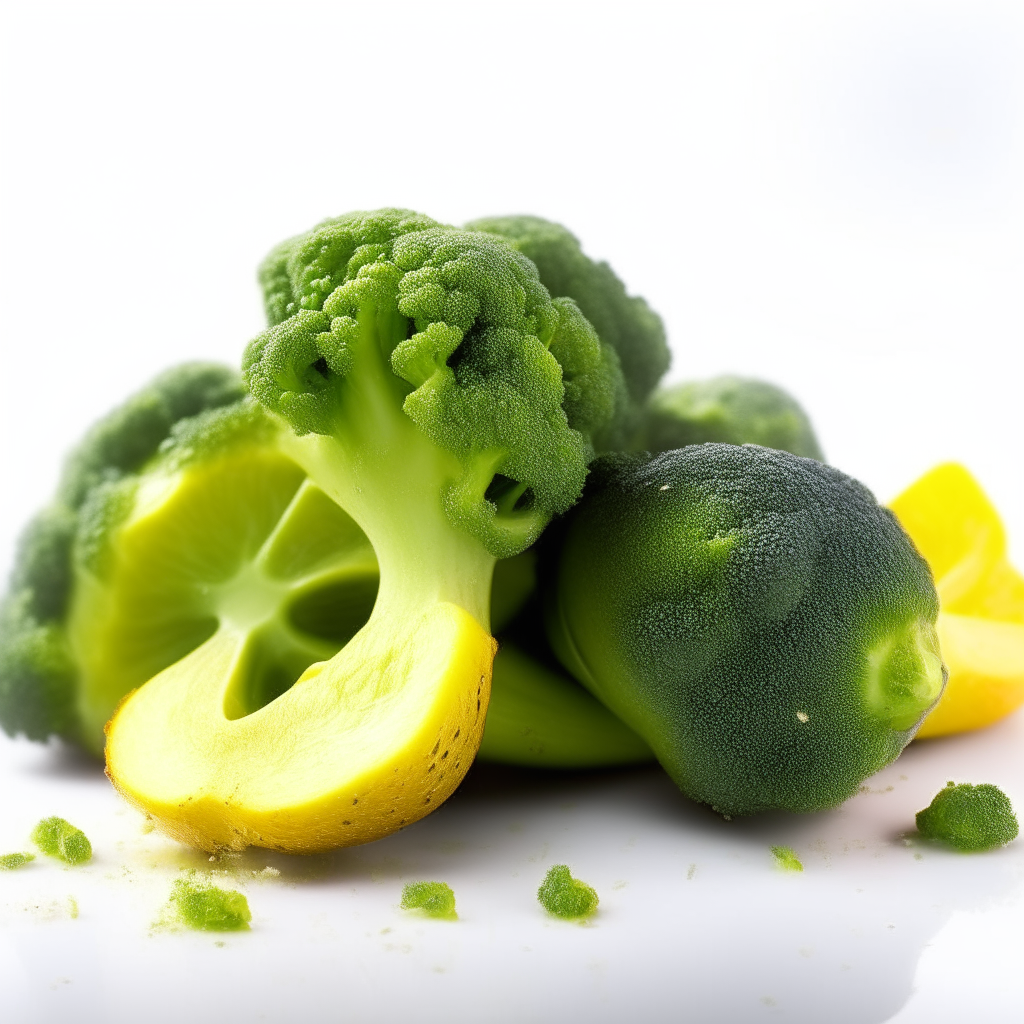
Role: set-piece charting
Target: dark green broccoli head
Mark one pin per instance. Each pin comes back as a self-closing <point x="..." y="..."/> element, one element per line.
<point x="969" y="818"/>
<point x="38" y="675"/>
<point x="732" y="410"/>
<point x="755" y="616"/>
<point x="623" y="321"/>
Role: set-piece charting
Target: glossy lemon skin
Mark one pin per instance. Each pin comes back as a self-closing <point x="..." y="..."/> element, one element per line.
<point x="360" y="746"/>
<point x="981" y="622"/>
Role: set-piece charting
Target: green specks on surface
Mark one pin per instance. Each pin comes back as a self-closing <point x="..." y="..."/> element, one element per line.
<point x="59" y="838"/>
<point x="435" y="899"/>
<point x="969" y="818"/>
<point x="12" y="861"/>
<point x="202" y="905"/>
<point x="564" y="896"/>
<point x="786" y="859"/>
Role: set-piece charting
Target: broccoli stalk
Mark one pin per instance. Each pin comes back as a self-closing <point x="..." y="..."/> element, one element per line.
<point x="424" y="379"/>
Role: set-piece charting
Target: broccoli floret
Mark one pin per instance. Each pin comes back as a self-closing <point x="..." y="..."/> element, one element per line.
<point x="13" y="861"/>
<point x="425" y="381"/>
<point x="969" y="818"/>
<point x="59" y="838"/>
<point x="435" y="899"/>
<point x="203" y="906"/>
<point x="732" y="410"/>
<point x="564" y="896"/>
<point x="41" y="688"/>
<point x="755" y="616"/>
<point x="623" y="321"/>
<point x="785" y="859"/>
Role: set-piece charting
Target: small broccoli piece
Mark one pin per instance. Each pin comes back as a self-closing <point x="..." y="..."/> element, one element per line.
<point x="564" y="896"/>
<point x="11" y="861"/>
<point x="623" y="321"/>
<point x="42" y="688"/>
<point x="756" y="617"/>
<point x="425" y="381"/>
<point x="59" y="838"/>
<point x="203" y="906"/>
<point x="435" y="899"/>
<point x="969" y="818"/>
<point x="732" y="410"/>
<point x="786" y="859"/>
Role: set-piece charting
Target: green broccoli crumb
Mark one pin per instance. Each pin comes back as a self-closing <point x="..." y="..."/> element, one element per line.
<point x="435" y="899"/>
<point x="786" y="859"/>
<point x="10" y="861"/>
<point x="969" y="818"/>
<point x="59" y="838"/>
<point x="564" y="896"/>
<point x="204" y="906"/>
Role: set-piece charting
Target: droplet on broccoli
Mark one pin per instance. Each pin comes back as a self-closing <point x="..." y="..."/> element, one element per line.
<point x="204" y="906"/>
<point x="786" y="859"/>
<point x="59" y="838"/>
<point x="11" y="861"/>
<point x="435" y="899"/>
<point x="969" y="818"/>
<point x="564" y="896"/>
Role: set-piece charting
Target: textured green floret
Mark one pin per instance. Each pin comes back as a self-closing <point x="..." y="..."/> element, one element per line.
<point x="755" y="616"/>
<point x="203" y="906"/>
<point x="623" y="321"/>
<point x="59" y="838"/>
<point x="435" y="899"/>
<point x="38" y="673"/>
<point x="969" y="818"/>
<point x="732" y="410"/>
<point x="455" y="329"/>
<point x="785" y="859"/>
<point x="564" y="896"/>
<point x="13" y="861"/>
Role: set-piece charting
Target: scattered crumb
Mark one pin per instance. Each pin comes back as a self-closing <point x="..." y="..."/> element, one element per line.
<point x="72" y="908"/>
<point x="691" y="871"/>
<point x="786" y="859"/>
<point x="434" y="899"/>
<point x="205" y="907"/>
<point x="59" y="838"/>
<point x="564" y="896"/>
<point x="619" y="885"/>
<point x="12" y="861"/>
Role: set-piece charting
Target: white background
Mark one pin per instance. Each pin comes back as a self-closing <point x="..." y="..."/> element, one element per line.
<point x="827" y="195"/>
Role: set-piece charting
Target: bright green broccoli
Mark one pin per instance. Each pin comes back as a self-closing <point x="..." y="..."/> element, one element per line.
<point x="732" y="410"/>
<point x="13" y="861"/>
<point x="425" y="381"/>
<point x="434" y="899"/>
<point x="204" y="906"/>
<point x="59" y="838"/>
<point x="785" y="859"/>
<point x="755" y="616"/>
<point x="969" y="818"/>
<point x="564" y="896"/>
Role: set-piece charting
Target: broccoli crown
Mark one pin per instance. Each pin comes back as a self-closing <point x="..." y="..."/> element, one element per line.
<point x="969" y="818"/>
<point x="623" y="321"/>
<point x="435" y="899"/>
<point x="456" y="330"/>
<point x="732" y="410"/>
<point x="564" y="896"/>
<point x="37" y="669"/>
<point x="755" y="616"/>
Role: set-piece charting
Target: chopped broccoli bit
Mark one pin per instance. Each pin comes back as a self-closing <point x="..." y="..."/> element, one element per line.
<point x="969" y="818"/>
<point x="10" y="861"/>
<point x="786" y="859"/>
<point x="204" y="906"/>
<point x="435" y="899"/>
<point x="59" y="838"/>
<point x="564" y="896"/>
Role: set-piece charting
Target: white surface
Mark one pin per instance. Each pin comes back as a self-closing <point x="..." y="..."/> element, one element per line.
<point x="695" y="922"/>
<point x="829" y="195"/>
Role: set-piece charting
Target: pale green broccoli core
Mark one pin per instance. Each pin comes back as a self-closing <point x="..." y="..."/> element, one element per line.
<point x="564" y="896"/>
<point x="207" y="908"/>
<point x="435" y="899"/>
<point x="969" y="818"/>
<point x="59" y="838"/>
<point x="11" y="861"/>
<point x="786" y="859"/>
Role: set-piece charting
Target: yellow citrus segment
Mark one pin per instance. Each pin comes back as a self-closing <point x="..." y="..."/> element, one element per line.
<point x="363" y="744"/>
<point x="986" y="674"/>
<point x="981" y="618"/>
